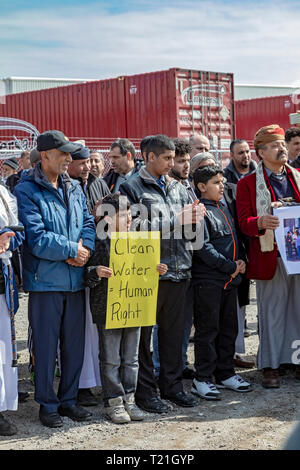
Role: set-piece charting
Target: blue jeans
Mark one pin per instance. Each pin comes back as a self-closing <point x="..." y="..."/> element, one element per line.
<point x="118" y="354"/>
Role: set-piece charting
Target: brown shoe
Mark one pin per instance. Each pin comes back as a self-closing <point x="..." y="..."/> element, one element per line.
<point x="270" y="378"/>
<point x="243" y="363"/>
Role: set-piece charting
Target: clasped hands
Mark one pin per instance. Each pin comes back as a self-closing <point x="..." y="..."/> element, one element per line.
<point x="83" y="255"/>
<point x="240" y="268"/>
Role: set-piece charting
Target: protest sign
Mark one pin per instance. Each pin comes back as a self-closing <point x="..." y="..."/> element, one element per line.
<point x="133" y="287"/>
<point x="288" y="237"/>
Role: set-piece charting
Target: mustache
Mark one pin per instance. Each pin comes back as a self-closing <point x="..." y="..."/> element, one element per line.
<point x="280" y="154"/>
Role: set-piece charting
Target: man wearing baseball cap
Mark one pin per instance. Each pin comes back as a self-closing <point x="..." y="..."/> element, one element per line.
<point x="95" y="189"/>
<point x="60" y="235"/>
<point x="277" y="293"/>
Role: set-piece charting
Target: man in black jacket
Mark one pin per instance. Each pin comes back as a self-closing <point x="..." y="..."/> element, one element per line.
<point x="164" y="205"/>
<point x="122" y="158"/>
<point x="93" y="187"/>
<point x="241" y="163"/>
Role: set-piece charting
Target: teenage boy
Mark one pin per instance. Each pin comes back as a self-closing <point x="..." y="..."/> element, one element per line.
<point x="164" y="205"/>
<point x="118" y="348"/>
<point x="215" y="273"/>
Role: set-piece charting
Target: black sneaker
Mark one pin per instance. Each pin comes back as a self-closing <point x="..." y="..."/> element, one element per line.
<point x="76" y="413"/>
<point x="152" y="405"/>
<point x="182" y="399"/>
<point x="51" y="420"/>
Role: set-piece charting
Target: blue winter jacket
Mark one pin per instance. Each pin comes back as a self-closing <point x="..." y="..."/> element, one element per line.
<point x="53" y="230"/>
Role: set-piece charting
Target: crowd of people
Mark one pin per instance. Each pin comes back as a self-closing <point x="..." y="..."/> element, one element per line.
<point x="217" y="234"/>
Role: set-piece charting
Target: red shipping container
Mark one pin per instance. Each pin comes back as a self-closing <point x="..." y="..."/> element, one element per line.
<point x="251" y="115"/>
<point x="179" y="102"/>
<point x="176" y="102"/>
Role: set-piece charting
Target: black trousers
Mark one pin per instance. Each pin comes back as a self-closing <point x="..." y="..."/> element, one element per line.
<point x="171" y="322"/>
<point x="216" y="329"/>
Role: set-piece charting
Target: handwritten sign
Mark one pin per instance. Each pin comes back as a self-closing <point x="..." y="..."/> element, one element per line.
<point x="132" y="290"/>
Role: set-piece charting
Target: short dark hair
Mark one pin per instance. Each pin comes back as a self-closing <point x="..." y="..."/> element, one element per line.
<point x="144" y="143"/>
<point x="118" y="201"/>
<point x="158" y="144"/>
<point x="203" y="175"/>
<point x="291" y="132"/>
<point x="24" y="153"/>
<point x="181" y="147"/>
<point x="125" y="146"/>
<point x="234" y="142"/>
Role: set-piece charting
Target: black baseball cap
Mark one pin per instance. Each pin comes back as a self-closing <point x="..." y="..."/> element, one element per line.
<point x="55" y="140"/>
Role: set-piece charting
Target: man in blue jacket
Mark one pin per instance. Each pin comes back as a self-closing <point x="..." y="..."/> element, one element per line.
<point x="60" y="235"/>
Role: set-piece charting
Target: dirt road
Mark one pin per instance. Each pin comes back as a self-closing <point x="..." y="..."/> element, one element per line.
<point x="261" y="419"/>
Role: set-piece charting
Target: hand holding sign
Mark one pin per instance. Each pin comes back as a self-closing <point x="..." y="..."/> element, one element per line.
<point x="191" y="213"/>
<point x="103" y="271"/>
<point x="162" y="269"/>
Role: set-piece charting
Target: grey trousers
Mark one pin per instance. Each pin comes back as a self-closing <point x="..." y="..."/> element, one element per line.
<point x="118" y="354"/>
<point x="278" y="304"/>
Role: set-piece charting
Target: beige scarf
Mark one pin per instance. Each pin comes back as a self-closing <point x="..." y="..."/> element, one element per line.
<point x="263" y="203"/>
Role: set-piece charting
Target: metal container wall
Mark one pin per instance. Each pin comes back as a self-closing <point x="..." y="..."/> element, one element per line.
<point x="179" y="102"/>
<point x="90" y="110"/>
<point x="253" y="114"/>
<point x="176" y="102"/>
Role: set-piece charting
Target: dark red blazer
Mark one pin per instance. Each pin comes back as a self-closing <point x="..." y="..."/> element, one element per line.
<point x="261" y="265"/>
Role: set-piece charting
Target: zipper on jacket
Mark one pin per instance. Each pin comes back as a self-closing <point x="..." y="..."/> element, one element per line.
<point x="233" y="239"/>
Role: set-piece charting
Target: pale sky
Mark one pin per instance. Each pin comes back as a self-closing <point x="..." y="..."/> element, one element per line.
<point x="258" y="41"/>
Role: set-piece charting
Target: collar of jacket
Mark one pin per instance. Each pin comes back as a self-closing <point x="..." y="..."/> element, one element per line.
<point x="39" y="177"/>
<point x="89" y="181"/>
<point x="231" y="167"/>
<point x="146" y="176"/>
<point x="208" y="202"/>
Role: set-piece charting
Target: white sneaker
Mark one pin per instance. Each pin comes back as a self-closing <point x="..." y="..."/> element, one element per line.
<point x="132" y="409"/>
<point x="206" y="390"/>
<point x="235" y="383"/>
<point x="116" y="411"/>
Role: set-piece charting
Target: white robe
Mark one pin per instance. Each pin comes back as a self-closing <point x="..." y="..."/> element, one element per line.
<point x="278" y="305"/>
<point x="8" y="374"/>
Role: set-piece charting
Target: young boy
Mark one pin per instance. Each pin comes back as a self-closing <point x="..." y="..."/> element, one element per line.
<point x="118" y="348"/>
<point x="215" y="273"/>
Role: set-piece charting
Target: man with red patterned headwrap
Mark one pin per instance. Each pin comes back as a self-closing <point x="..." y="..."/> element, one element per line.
<point x="278" y="294"/>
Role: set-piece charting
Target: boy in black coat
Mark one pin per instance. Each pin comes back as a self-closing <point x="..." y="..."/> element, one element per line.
<point x="215" y="274"/>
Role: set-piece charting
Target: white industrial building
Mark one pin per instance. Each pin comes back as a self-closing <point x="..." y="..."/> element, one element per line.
<point x="250" y="91"/>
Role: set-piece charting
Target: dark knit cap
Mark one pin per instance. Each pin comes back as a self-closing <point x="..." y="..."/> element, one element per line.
<point x="12" y="162"/>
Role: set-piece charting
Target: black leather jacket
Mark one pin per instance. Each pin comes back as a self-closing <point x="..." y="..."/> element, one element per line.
<point x="153" y="209"/>
<point x="214" y="262"/>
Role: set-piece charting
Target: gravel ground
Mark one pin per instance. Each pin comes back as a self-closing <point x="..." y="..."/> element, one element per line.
<point x="259" y="420"/>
